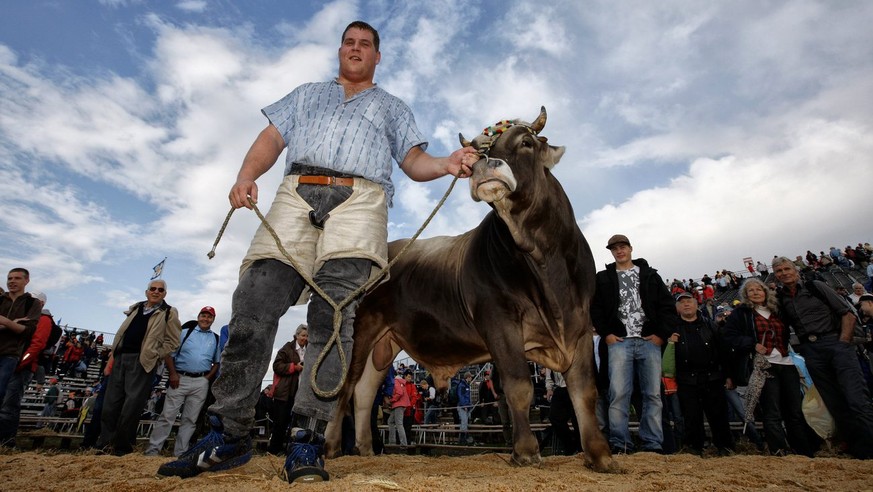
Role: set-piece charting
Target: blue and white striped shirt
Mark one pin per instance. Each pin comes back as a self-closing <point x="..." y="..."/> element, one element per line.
<point x="357" y="136"/>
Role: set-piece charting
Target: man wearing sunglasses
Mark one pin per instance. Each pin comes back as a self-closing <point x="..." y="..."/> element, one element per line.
<point x="148" y="335"/>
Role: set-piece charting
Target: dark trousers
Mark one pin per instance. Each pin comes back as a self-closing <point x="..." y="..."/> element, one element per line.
<point x="126" y="395"/>
<point x="781" y="401"/>
<point x="833" y="366"/>
<point x="697" y="400"/>
<point x="560" y="414"/>
<point x="281" y="415"/>
<point x="93" y="428"/>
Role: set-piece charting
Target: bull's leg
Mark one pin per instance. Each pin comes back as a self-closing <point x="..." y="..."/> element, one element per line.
<point x="518" y="390"/>
<point x="334" y="433"/>
<point x="365" y="394"/>
<point x="581" y="386"/>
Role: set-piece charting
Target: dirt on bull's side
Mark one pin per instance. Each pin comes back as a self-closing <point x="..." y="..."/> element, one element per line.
<point x="45" y="470"/>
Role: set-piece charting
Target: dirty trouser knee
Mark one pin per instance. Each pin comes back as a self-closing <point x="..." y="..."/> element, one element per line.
<point x="265" y="292"/>
<point x="337" y="278"/>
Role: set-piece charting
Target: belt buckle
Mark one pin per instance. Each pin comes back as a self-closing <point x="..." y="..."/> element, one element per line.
<point x="331" y="180"/>
<point x="812" y="338"/>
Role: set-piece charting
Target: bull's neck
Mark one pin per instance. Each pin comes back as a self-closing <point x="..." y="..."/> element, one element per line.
<point x="542" y="227"/>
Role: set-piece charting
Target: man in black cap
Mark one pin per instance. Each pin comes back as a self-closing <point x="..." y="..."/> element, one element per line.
<point x="701" y="378"/>
<point x="633" y="311"/>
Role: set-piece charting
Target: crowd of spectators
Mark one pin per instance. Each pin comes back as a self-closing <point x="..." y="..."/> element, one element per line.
<point x="716" y="306"/>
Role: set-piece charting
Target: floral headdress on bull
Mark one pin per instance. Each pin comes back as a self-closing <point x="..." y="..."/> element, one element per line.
<point x="494" y="132"/>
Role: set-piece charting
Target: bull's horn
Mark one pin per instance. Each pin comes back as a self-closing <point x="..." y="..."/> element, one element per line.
<point x="540" y="122"/>
<point x="464" y="141"/>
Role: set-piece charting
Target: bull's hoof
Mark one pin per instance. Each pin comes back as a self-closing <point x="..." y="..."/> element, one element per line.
<point x="363" y="451"/>
<point x="603" y="464"/>
<point x="528" y="460"/>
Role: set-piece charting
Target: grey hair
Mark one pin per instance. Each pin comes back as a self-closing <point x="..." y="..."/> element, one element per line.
<point x="780" y="260"/>
<point x="300" y="329"/>
<point x="157" y="281"/>
<point x="769" y="303"/>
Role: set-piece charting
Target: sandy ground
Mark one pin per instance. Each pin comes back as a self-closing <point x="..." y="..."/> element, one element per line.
<point x="46" y="470"/>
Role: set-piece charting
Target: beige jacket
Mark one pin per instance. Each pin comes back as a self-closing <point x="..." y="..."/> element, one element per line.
<point x="161" y="338"/>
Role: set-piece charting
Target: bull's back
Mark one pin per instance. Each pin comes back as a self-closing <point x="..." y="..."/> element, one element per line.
<point x="422" y="305"/>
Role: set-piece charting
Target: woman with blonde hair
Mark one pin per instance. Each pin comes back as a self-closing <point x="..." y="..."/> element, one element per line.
<point x="755" y="326"/>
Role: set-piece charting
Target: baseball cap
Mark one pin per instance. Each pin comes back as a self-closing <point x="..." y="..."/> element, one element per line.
<point x="39" y="295"/>
<point x="865" y="297"/>
<point x="682" y="295"/>
<point x="617" y="239"/>
<point x="208" y="309"/>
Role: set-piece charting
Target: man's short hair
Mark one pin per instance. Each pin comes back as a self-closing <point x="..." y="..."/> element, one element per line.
<point x="778" y="260"/>
<point x="367" y="27"/>
<point x="21" y="270"/>
<point x="157" y="281"/>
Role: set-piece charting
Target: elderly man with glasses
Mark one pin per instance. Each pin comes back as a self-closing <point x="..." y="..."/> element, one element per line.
<point x="148" y="335"/>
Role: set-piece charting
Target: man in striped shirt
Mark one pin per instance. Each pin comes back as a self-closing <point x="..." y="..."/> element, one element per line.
<point x="330" y="212"/>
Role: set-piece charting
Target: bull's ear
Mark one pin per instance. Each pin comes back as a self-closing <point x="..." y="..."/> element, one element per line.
<point x="553" y="156"/>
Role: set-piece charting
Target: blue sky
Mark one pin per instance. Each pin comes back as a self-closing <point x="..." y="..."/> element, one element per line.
<point x="705" y="131"/>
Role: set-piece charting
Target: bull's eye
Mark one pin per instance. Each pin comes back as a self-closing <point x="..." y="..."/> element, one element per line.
<point x="526" y="142"/>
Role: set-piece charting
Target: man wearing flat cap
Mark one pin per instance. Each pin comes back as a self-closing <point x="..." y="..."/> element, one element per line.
<point x="633" y="311"/>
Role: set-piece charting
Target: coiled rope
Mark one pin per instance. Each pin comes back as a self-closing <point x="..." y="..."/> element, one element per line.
<point x="337" y="314"/>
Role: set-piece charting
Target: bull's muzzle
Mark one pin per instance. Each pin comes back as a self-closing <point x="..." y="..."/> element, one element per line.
<point x="492" y="180"/>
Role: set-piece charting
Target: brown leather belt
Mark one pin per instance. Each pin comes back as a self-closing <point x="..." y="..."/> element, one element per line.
<point x="325" y="180"/>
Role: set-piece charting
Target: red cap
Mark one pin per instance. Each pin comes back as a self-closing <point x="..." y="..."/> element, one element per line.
<point x="208" y="309"/>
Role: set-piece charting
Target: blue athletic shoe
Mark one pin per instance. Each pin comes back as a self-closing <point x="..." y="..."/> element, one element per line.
<point x="305" y="461"/>
<point x="215" y="452"/>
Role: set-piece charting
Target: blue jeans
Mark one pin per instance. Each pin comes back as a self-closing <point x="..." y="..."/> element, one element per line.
<point x="640" y="359"/>
<point x="430" y="415"/>
<point x="738" y="408"/>
<point x="10" y="411"/>
<point x="464" y="415"/>
<point x="7" y="370"/>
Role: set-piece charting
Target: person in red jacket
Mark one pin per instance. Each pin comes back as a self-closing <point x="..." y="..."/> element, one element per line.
<point x="73" y="355"/>
<point x="399" y="402"/>
<point x="414" y="400"/>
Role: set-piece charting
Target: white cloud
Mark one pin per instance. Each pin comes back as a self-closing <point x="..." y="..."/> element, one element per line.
<point x="755" y="116"/>
<point x="722" y="210"/>
<point x="192" y="5"/>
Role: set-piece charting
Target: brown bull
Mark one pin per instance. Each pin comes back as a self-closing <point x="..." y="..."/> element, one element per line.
<point x="515" y="288"/>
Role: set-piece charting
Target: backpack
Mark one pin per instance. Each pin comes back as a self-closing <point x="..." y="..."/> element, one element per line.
<point x="54" y="336"/>
<point x="859" y="335"/>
